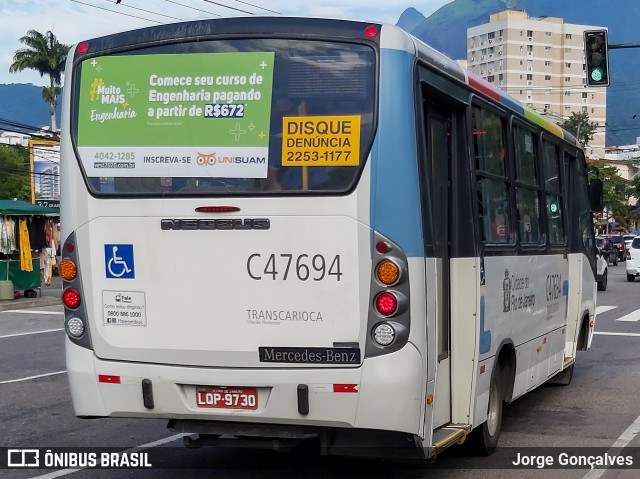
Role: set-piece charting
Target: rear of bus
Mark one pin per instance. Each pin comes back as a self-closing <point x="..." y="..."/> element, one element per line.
<point x="221" y="270"/>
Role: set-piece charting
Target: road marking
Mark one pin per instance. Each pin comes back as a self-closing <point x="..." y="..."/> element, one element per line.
<point x="631" y="317"/>
<point x="625" y="438"/>
<point x="32" y="377"/>
<point x="149" y="445"/>
<point x="27" y="334"/>
<point x="29" y="311"/>
<point x="605" y="333"/>
<point x="604" y="309"/>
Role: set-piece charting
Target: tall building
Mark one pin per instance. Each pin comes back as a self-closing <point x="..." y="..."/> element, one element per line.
<point x="541" y="62"/>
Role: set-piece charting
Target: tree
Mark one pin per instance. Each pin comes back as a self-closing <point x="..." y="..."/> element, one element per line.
<point x="616" y="191"/>
<point x="47" y="56"/>
<point x="15" y="174"/>
<point x="579" y="125"/>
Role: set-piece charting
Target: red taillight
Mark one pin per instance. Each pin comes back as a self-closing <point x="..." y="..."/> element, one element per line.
<point x="386" y="304"/>
<point x="108" y="378"/>
<point x="83" y="47"/>
<point x="217" y="209"/>
<point x="71" y="298"/>
<point x="382" y="247"/>
<point x="69" y="247"/>
<point x="371" y="31"/>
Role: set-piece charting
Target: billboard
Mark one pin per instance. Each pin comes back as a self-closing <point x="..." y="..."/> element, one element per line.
<point x="45" y="170"/>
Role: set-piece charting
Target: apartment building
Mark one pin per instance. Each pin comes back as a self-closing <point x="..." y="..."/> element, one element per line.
<point x="541" y="62"/>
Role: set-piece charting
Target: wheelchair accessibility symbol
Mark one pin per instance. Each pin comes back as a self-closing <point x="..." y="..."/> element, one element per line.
<point x="118" y="261"/>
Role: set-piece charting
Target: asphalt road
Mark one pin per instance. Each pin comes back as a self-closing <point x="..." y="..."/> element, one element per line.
<point x="599" y="409"/>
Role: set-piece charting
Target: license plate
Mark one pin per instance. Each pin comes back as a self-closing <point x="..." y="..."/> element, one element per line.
<point x="226" y="397"/>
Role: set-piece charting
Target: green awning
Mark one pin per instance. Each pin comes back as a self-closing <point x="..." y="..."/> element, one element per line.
<point x="22" y="208"/>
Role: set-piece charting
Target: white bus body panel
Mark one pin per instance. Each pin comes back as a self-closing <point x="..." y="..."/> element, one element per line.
<point x="202" y="307"/>
<point x="388" y="397"/>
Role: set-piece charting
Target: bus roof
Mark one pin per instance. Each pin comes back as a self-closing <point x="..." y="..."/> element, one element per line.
<point x="333" y="28"/>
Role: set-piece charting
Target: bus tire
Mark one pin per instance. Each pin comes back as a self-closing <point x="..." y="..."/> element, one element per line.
<point x="484" y="438"/>
<point x="602" y="284"/>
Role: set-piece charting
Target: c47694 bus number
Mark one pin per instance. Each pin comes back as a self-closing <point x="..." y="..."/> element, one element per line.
<point x="286" y="267"/>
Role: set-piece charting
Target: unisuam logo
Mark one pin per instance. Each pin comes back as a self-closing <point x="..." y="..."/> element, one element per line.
<point x="210" y="159"/>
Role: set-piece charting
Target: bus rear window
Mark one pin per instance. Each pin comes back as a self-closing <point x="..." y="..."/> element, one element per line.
<point x="253" y="116"/>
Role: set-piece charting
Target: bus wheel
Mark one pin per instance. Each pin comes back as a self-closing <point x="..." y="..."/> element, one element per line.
<point x="484" y="438"/>
<point x="602" y="284"/>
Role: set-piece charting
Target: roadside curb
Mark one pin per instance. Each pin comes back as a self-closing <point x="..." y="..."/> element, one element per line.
<point x="23" y="303"/>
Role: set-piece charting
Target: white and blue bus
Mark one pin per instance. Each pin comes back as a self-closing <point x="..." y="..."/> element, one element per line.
<point x="283" y="228"/>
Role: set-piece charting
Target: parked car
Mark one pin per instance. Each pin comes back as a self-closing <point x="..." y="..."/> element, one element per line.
<point x="618" y="242"/>
<point x="633" y="260"/>
<point x="628" y="238"/>
<point x="603" y="271"/>
<point x="608" y="251"/>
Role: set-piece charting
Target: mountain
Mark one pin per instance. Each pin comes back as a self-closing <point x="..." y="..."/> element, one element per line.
<point x="446" y="31"/>
<point x="23" y="103"/>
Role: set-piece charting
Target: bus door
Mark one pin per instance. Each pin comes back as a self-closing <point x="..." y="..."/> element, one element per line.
<point x="438" y="122"/>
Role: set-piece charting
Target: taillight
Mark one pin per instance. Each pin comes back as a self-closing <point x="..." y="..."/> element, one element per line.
<point x="386" y="303"/>
<point x="68" y="269"/>
<point x="71" y="298"/>
<point x="384" y="334"/>
<point x="74" y="327"/>
<point x="388" y="272"/>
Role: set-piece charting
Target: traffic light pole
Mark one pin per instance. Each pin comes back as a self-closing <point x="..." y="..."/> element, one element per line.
<point x="623" y="45"/>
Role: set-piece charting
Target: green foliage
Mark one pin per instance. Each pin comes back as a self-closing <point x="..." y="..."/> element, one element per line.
<point x="15" y="173"/>
<point x="46" y="55"/>
<point x="616" y="192"/>
<point x="579" y="125"/>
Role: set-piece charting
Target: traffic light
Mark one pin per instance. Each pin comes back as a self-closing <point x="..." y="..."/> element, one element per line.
<point x="595" y="48"/>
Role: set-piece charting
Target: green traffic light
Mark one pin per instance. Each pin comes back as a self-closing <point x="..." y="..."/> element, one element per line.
<point x="597" y="74"/>
<point x="553" y="207"/>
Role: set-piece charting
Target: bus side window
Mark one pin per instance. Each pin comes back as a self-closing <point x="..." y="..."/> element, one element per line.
<point x="492" y="181"/>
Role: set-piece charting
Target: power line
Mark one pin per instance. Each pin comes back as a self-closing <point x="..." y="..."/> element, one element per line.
<point x="24" y="126"/>
<point x="19" y="172"/>
<point x="229" y="7"/>
<point x="143" y="10"/>
<point x="192" y="8"/>
<point x="258" y="6"/>
<point x="119" y="13"/>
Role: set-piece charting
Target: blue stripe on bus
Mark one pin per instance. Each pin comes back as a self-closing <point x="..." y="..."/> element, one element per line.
<point x="395" y="192"/>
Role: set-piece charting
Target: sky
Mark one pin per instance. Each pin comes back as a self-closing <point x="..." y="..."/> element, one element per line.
<point x="75" y="20"/>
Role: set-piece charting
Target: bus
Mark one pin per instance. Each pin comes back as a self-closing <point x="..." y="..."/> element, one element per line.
<point x="278" y="229"/>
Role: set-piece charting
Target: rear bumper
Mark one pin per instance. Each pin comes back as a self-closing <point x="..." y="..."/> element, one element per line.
<point x="390" y="392"/>
<point x="633" y="266"/>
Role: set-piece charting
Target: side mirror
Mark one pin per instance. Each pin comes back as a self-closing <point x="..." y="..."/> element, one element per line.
<point x="595" y="195"/>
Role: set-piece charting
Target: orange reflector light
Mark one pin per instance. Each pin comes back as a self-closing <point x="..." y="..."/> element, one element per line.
<point x="71" y="298"/>
<point x="387" y="272"/>
<point x="107" y="378"/>
<point x="429" y="399"/>
<point x="68" y="269"/>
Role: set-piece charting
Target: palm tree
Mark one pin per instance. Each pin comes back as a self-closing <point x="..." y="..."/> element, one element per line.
<point x="46" y="55"/>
